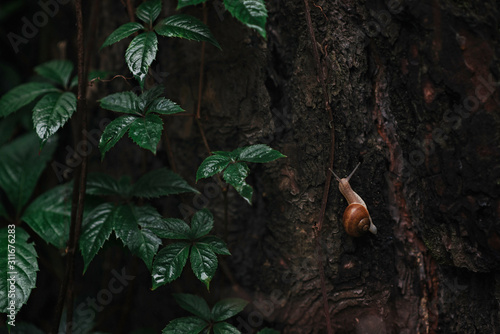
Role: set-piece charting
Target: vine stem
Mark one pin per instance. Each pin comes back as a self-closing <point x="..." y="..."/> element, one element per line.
<point x="326" y="190"/>
<point x="78" y="198"/>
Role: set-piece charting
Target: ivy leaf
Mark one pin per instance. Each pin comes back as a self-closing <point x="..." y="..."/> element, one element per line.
<point x="186" y="325"/>
<point x="148" y="11"/>
<point x="203" y="262"/>
<point x="215" y="243"/>
<point x="160" y="182"/>
<point x="235" y="175"/>
<point x="186" y="26"/>
<point x="225" y="328"/>
<point x="212" y="165"/>
<point x="126" y="102"/>
<point x="140" y="54"/>
<point x="23" y="271"/>
<point x="21" y="165"/>
<point x="96" y="229"/>
<point x="122" y="32"/>
<point x="52" y="112"/>
<point x="259" y="153"/>
<point x="49" y="215"/>
<point x="113" y="133"/>
<point x="164" y="106"/>
<point x="58" y="71"/>
<point x="141" y="241"/>
<point x="146" y="131"/>
<point x="232" y="155"/>
<point x="169" y="262"/>
<point x="252" y="13"/>
<point x="124" y="221"/>
<point x="148" y="96"/>
<point x="21" y="95"/>
<point x="104" y="185"/>
<point x="173" y="228"/>
<point x="194" y="304"/>
<point x="184" y="3"/>
<point x="201" y="224"/>
<point x="144" y="244"/>
<point x="268" y="331"/>
<point x="227" y="308"/>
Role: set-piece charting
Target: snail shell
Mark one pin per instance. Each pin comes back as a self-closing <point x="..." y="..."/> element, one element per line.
<point x="356" y="217"/>
<point x="356" y="220"/>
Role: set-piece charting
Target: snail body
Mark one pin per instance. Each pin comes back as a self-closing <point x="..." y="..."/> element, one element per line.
<point x="356" y="218"/>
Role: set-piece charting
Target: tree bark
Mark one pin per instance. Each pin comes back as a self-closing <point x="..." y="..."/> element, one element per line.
<point x="413" y="88"/>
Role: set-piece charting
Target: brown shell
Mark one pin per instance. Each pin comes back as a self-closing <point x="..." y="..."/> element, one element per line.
<point x="356" y="220"/>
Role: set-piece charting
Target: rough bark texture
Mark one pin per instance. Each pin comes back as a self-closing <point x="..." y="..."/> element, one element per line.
<point x="414" y="92"/>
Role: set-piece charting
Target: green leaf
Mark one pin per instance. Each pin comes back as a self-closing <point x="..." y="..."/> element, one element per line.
<point x="212" y="165"/>
<point x="164" y="106"/>
<point x="21" y="95"/>
<point x="140" y="54"/>
<point x="49" y="215"/>
<point x="104" y="185"/>
<point x="232" y="155"/>
<point x="142" y="242"/>
<point x="22" y="272"/>
<point x="146" y="131"/>
<point x="21" y="164"/>
<point x="194" y="304"/>
<point x="173" y="228"/>
<point x="148" y="96"/>
<point x="122" y="32"/>
<point x="203" y="262"/>
<point x="259" y="153"/>
<point x="252" y="13"/>
<point x="161" y="182"/>
<point x="184" y="3"/>
<point x="186" y="325"/>
<point x="113" y="133"/>
<point x="227" y="308"/>
<point x="52" y="112"/>
<point x="96" y="229"/>
<point x="186" y="26"/>
<point x="268" y="331"/>
<point x="124" y="221"/>
<point x="235" y="175"/>
<point x="148" y="11"/>
<point x="126" y="102"/>
<point x="169" y="262"/>
<point x="58" y="71"/>
<point x="225" y="328"/>
<point x="215" y="243"/>
<point x="201" y="224"/>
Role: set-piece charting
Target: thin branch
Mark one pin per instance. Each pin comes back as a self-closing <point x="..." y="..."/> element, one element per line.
<point x="66" y="292"/>
<point x="326" y="189"/>
<point x="202" y="65"/>
<point x="130" y="10"/>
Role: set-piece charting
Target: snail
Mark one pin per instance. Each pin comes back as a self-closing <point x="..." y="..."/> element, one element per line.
<point x="356" y="219"/>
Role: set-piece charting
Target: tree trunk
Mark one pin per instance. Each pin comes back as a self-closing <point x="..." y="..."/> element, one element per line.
<point x="413" y="88"/>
